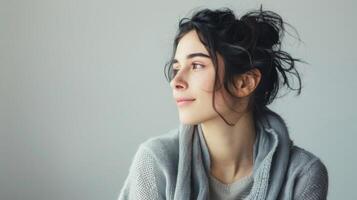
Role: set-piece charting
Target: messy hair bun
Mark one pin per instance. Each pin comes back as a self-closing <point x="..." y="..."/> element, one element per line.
<point x="251" y="41"/>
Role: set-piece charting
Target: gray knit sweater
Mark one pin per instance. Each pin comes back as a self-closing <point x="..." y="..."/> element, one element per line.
<point x="239" y="189"/>
<point x="175" y="166"/>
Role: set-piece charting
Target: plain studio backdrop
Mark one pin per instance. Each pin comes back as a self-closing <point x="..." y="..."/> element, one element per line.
<point x="82" y="85"/>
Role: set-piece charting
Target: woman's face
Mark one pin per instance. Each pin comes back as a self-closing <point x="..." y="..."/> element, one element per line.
<point x="194" y="79"/>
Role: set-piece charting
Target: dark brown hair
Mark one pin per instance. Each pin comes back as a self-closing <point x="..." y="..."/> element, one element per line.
<point x="251" y="41"/>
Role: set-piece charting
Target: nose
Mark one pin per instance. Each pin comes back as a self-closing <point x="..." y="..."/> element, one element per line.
<point x="178" y="82"/>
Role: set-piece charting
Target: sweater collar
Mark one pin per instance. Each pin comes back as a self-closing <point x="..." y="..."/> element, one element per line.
<point x="272" y="139"/>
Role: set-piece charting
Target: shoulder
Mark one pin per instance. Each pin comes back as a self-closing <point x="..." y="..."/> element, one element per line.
<point x="310" y="172"/>
<point x="304" y="160"/>
<point x="163" y="148"/>
<point x="152" y="163"/>
<point x="166" y="139"/>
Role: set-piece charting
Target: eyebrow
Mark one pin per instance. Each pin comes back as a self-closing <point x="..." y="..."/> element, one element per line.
<point x="191" y="56"/>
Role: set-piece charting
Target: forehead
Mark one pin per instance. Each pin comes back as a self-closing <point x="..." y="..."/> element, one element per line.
<point x="188" y="44"/>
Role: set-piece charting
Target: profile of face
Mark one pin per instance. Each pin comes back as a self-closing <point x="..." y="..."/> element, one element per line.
<point x="194" y="79"/>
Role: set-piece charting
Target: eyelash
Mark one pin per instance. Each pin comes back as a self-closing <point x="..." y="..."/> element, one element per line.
<point x="194" y="64"/>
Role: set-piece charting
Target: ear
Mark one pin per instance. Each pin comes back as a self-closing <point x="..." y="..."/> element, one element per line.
<point x="247" y="82"/>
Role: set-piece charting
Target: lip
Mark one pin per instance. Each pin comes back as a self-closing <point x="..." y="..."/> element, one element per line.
<point x="184" y="101"/>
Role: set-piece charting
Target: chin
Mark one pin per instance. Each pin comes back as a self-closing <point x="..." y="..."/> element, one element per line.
<point x="189" y="120"/>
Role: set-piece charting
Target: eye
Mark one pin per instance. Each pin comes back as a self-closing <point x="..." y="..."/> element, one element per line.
<point x="197" y="64"/>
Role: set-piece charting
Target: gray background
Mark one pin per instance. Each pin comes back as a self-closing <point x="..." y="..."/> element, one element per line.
<point x="82" y="85"/>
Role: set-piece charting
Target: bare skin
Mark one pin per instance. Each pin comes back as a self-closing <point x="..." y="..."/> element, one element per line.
<point x="230" y="147"/>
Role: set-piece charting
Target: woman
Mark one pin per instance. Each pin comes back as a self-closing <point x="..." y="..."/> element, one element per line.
<point x="229" y="145"/>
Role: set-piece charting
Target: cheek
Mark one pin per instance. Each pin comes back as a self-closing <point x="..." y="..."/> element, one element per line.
<point x="205" y="82"/>
<point x="205" y="85"/>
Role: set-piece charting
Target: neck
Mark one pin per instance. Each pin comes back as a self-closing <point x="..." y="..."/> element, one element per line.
<point x="230" y="147"/>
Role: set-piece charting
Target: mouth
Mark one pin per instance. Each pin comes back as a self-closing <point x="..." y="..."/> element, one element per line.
<point x="184" y="102"/>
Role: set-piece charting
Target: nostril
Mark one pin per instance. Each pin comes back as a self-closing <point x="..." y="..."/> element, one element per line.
<point x="179" y="86"/>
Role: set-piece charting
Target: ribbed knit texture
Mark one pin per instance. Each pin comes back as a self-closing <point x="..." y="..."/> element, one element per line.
<point x="175" y="166"/>
<point x="234" y="191"/>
